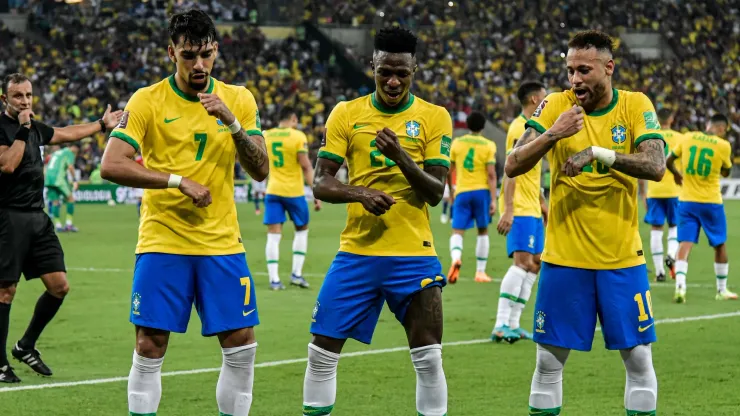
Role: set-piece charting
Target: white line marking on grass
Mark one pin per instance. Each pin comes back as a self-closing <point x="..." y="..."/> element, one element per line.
<point x="303" y="360"/>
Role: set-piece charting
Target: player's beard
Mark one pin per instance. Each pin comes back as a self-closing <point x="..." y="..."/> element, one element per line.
<point x="597" y="94"/>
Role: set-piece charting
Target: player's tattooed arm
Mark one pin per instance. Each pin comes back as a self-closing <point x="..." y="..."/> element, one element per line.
<point x="252" y="154"/>
<point x="528" y="151"/>
<point x="648" y="163"/>
<point x="327" y="188"/>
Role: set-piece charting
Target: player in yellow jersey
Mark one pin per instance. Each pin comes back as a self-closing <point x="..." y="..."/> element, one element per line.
<point x="397" y="148"/>
<point x="190" y="127"/>
<point x="473" y="159"/>
<point x="522" y="210"/>
<point x="661" y="203"/>
<point x="599" y="141"/>
<point x="704" y="158"/>
<point x="290" y="168"/>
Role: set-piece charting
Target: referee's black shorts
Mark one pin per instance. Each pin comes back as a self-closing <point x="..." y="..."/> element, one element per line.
<point x="28" y="245"/>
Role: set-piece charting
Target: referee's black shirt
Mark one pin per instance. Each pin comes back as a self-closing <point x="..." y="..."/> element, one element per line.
<point x="24" y="188"/>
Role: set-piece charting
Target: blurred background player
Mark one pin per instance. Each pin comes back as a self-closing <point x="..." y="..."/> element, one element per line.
<point x="473" y="159"/>
<point x="447" y="210"/>
<point x="523" y="212"/>
<point x="397" y="147"/>
<point x="704" y="157"/>
<point x="599" y="141"/>
<point x="661" y="204"/>
<point x="61" y="166"/>
<point x="190" y="128"/>
<point x="258" y="194"/>
<point x="290" y="169"/>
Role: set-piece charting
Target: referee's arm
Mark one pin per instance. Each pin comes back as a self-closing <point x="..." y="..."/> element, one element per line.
<point x="80" y="131"/>
<point x="11" y="156"/>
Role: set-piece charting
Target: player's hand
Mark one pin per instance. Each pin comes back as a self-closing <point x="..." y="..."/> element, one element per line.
<point x="376" y="202"/>
<point x="111" y="119"/>
<point x="216" y="108"/>
<point x="569" y="123"/>
<point x="387" y="142"/>
<point x="316" y="205"/>
<point x="492" y="209"/>
<point x="25" y="116"/>
<point x="200" y="194"/>
<point x="574" y="164"/>
<point x="678" y="179"/>
<point x="504" y="223"/>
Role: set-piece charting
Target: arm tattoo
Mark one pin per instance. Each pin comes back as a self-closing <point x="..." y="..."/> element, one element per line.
<point x="252" y="155"/>
<point x="529" y="135"/>
<point x="648" y="163"/>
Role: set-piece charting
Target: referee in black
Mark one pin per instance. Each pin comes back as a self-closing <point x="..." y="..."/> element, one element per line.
<point x="28" y="244"/>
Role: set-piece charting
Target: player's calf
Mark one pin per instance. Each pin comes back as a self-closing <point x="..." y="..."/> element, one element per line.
<point x="234" y="387"/>
<point x="145" y="377"/>
<point x="546" y="396"/>
<point x="320" y="381"/>
<point x="641" y="388"/>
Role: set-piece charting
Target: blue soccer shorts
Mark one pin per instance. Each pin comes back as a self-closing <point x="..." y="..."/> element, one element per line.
<point x="527" y="234"/>
<point x="166" y="285"/>
<point x="355" y="288"/>
<point x="569" y="300"/>
<point x="471" y="206"/>
<point x="693" y="216"/>
<point x="660" y="210"/>
<point x="276" y="206"/>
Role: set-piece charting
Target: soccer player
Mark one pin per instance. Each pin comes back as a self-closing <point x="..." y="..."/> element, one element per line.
<point x="61" y="165"/>
<point x="662" y="205"/>
<point x="599" y="141"/>
<point x="397" y="147"/>
<point x="447" y="199"/>
<point x="290" y="168"/>
<point x="190" y="127"/>
<point x="473" y="159"/>
<point x="28" y="244"/>
<point x="523" y="208"/>
<point x="258" y="194"/>
<point x="704" y="157"/>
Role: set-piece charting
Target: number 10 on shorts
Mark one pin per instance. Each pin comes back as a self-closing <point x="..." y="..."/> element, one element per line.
<point x="644" y="315"/>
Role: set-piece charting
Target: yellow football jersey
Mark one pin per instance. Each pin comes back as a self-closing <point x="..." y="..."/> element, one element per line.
<point x="471" y="154"/>
<point x="424" y="131"/>
<point x="176" y="135"/>
<point x="666" y="188"/>
<point x="527" y="191"/>
<point x="286" y="174"/>
<point x="593" y="217"/>
<point x="702" y="157"/>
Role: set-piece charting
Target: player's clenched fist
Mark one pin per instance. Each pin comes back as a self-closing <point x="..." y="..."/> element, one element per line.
<point x="574" y="164"/>
<point x="200" y="194"/>
<point x="376" y="202"/>
<point x="569" y="123"/>
<point x="387" y="142"/>
<point x="216" y="108"/>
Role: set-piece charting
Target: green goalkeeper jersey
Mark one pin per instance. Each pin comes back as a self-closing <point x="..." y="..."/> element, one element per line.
<point x="56" y="170"/>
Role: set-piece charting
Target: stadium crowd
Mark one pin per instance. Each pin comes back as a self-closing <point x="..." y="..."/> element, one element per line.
<point x="472" y="56"/>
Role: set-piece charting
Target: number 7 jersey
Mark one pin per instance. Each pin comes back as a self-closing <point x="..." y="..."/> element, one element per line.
<point x="176" y="135"/>
<point x="703" y="156"/>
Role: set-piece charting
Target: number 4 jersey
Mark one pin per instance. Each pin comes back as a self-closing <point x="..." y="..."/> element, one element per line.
<point x="176" y="135"/>
<point x="424" y="131"/>
<point x="593" y="217"/>
<point x="702" y="157"/>
<point x="471" y="154"/>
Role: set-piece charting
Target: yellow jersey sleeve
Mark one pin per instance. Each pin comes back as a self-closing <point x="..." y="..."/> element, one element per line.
<point x="677" y="150"/>
<point x="644" y="120"/>
<point x="135" y="121"/>
<point x="249" y="116"/>
<point x="727" y="155"/>
<point x="454" y="150"/>
<point x="491" y="160"/>
<point x="301" y="143"/>
<point x="439" y="142"/>
<point x="336" y="135"/>
<point x="547" y="112"/>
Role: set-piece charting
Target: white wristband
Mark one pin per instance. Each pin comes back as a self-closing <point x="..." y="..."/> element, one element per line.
<point x="605" y="156"/>
<point x="174" y="181"/>
<point x="235" y="127"/>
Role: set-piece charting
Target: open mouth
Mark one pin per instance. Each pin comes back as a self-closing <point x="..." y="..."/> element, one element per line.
<point x="393" y="95"/>
<point x="199" y="77"/>
<point x="581" y="94"/>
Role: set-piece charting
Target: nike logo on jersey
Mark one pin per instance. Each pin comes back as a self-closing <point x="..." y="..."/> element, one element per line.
<point x="247" y="313"/>
<point x="170" y="120"/>
<point x="359" y="126"/>
<point x="641" y="329"/>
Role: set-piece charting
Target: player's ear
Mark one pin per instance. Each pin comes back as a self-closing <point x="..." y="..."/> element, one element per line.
<point x="171" y="53"/>
<point x="610" y="67"/>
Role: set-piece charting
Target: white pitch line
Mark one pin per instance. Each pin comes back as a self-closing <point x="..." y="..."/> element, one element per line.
<point x="303" y="360"/>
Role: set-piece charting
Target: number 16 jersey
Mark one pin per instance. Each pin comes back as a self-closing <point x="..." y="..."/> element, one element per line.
<point x="703" y="156"/>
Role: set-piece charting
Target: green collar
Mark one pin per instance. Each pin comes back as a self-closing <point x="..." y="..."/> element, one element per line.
<point x="522" y="116"/>
<point x="182" y="94"/>
<point x="608" y="108"/>
<point x="391" y="110"/>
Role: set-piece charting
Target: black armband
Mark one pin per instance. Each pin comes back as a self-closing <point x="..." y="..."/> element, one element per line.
<point x="22" y="134"/>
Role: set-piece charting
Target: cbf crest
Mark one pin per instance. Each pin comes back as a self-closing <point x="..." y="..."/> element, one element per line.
<point x="135" y="303"/>
<point x="413" y="128"/>
<point x="540" y="322"/>
<point x="619" y="134"/>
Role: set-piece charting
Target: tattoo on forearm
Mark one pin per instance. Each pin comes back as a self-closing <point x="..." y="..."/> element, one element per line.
<point x="251" y="155"/>
<point x="648" y="163"/>
<point x="529" y="135"/>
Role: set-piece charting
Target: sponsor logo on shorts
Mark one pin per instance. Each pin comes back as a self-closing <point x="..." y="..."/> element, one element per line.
<point x="540" y="322"/>
<point x="136" y="303"/>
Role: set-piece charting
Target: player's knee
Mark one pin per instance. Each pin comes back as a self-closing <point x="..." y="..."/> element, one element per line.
<point x="301" y="227"/>
<point x="7" y="292"/>
<point x="550" y="362"/>
<point x="237" y="338"/>
<point x="638" y="362"/>
<point x="333" y="345"/>
<point x="56" y="284"/>
<point x="427" y="360"/>
<point x="321" y="362"/>
<point x="483" y="231"/>
<point x="151" y="343"/>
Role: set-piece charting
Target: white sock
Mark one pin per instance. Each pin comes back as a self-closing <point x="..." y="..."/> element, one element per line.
<point x="320" y="383"/>
<point x="272" y="253"/>
<point x="456" y="246"/>
<point x="234" y="387"/>
<point x="509" y="293"/>
<point x="145" y="385"/>
<point x="672" y="242"/>
<point x="641" y="389"/>
<point x="721" y="270"/>
<point x="518" y="306"/>
<point x="431" y="386"/>
<point x="682" y="267"/>
<point x="69" y="222"/>
<point x="300" y="245"/>
<point x="481" y="252"/>
<point x="547" y="382"/>
<point x="656" y="247"/>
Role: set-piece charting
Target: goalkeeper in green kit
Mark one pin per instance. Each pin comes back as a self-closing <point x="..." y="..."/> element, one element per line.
<point x="58" y="187"/>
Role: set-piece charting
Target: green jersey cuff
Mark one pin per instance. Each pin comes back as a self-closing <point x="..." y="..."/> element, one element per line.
<point x="331" y="156"/>
<point x="126" y="138"/>
<point x="649" y="136"/>
<point x="535" y="125"/>
<point x="254" y="132"/>
<point x="437" y="162"/>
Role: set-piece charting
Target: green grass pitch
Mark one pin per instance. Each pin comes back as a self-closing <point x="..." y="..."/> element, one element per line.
<point x="697" y="360"/>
